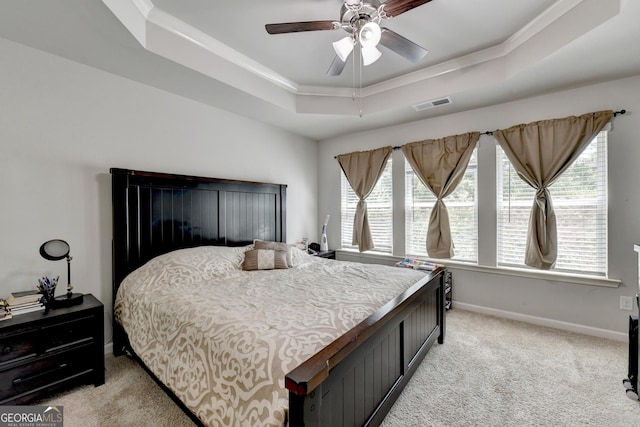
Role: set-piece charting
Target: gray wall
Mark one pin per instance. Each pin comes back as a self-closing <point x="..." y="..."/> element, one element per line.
<point x="63" y="125"/>
<point x="557" y="302"/>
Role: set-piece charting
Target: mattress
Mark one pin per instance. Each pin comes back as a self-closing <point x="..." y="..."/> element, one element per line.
<point x="222" y="339"/>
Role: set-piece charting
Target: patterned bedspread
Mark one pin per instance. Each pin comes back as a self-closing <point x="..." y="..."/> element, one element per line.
<point x="222" y="339"/>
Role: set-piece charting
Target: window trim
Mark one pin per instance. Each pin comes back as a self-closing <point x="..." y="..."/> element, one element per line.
<point x="600" y="205"/>
<point x="450" y="203"/>
<point x="344" y="184"/>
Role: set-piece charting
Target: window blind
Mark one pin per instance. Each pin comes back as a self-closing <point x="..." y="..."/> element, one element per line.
<point x="462" y="208"/>
<point x="379" y="212"/>
<point x="579" y="198"/>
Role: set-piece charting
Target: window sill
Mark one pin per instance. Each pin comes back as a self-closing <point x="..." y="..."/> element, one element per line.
<point x="379" y="258"/>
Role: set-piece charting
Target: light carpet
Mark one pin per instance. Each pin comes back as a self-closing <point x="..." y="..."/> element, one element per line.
<point x="489" y="372"/>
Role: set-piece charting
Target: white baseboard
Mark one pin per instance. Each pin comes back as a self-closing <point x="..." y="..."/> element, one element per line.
<point x="108" y="348"/>
<point x="541" y="321"/>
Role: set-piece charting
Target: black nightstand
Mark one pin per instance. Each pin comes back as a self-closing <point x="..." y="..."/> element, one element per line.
<point x="326" y="254"/>
<point x="43" y="353"/>
<point x="448" y="290"/>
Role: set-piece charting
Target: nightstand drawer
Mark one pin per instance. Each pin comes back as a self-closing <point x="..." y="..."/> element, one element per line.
<point x="34" y="341"/>
<point x="66" y="334"/>
<point x="17" y="346"/>
<point x="44" y="372"/>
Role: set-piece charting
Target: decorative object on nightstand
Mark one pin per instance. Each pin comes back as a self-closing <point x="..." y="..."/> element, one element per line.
<point x="324" y="245"/>
<point x="325" y="254"/>
<point x="55" y="250"/>
<point x="43" y="354"/>
<point x="47" y="288"/>
<point x="5" y="313"/>
<point x="20" y="302"/>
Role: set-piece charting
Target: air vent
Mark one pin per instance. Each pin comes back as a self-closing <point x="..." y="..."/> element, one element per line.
<point x="433" y="103"/>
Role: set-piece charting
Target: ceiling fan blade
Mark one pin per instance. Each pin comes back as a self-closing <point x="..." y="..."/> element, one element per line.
<point x="296" y="27"/>
<point x="396" y="7"/>
<point x="336" y="67"/>
<point x="402" y="46"/>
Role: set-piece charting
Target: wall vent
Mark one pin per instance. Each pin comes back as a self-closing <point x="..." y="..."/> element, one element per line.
<point x="433" y="103"/>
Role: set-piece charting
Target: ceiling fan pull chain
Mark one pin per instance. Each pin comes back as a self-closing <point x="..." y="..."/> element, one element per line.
<point x="360" y="70"/>
<point x="353" y="78"/>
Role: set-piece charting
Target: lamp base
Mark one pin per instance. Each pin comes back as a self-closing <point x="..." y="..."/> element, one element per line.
<point x="324" y="246"/>
<point x="68" y="301"/>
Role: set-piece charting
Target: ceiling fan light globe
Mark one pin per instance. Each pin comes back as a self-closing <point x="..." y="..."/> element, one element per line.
<point x="370" y="54"/>
<point x="343" y="47"/>
<point x="370" y="34"/>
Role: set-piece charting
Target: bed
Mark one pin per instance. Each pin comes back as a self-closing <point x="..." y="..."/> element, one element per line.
<point x="349" y="373"/>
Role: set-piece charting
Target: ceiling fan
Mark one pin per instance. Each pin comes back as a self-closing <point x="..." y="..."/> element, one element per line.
<point x="361" y="19"/>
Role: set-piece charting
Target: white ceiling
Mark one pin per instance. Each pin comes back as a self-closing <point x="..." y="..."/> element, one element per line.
<point x="480" y="53"/>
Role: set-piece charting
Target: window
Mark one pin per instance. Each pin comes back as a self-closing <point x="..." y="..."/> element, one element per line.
<point x="462" y="207"/>
<point x="379" y="208"/>
<point x="579" y="198"/>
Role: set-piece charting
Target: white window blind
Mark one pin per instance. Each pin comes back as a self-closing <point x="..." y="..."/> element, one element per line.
<point x="579" y="198"/>
<point x="461" y="205"/>
<point x="379" y="209"/>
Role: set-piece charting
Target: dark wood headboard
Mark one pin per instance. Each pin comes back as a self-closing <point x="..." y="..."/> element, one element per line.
<point x="155" y="213"/>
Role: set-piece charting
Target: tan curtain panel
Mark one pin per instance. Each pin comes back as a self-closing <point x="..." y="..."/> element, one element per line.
<point x="363" y="169"/>
<point x="440" y="164"/>
<point x="540" y="152"/>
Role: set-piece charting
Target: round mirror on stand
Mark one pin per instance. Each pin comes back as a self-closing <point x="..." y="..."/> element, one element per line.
<point x="55" y="250"/>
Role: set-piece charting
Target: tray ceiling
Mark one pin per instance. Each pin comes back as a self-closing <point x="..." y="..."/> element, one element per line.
<point x="480" y="53"/>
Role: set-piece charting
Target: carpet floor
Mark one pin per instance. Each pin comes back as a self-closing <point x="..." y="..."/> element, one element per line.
<point x="489" y="372"/>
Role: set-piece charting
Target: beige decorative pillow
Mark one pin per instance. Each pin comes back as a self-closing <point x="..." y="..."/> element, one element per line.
<point x="275" y="246"/>
<point x="264" y="259"/>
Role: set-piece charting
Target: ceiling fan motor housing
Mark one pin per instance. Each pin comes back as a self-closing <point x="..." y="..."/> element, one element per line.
<point x="361" y="20"/>
<point x="354" y="17"/>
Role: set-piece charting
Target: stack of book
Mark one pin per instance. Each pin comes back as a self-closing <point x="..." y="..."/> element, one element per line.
<point x="417" y="264"/>
<point x="24" y="302"/>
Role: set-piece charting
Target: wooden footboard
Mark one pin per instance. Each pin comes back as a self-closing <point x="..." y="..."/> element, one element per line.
<point x="355" y="380"/>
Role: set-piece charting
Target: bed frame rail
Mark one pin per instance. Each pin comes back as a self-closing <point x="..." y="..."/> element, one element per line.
<point x="355" y="380"/>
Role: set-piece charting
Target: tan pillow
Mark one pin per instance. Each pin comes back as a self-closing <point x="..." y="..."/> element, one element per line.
<point x="264" y="259"/>
<point x="275" y="246"/>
